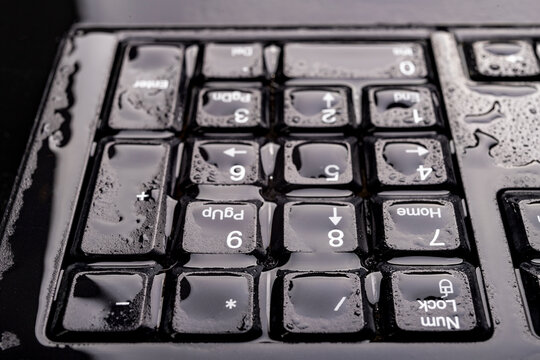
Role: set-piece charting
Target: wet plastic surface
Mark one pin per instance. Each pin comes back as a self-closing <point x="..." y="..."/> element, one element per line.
<point x="481" y="149"/>
<point x="147" y="90"/>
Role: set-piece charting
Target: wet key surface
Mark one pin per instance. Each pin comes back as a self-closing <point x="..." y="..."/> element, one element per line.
<point x="355" y="60"/>
<point x="430" y="301"/>
<point x="320" y="227"/>
<point x="521" y="210"/>
<point x="530" y="273"/>
<point x="127" y="214"/>
<point x="402" y="108"/>
<point x="322" y="303"/>
<point x="271" y="186"/>
<point x="321" y="163"/>
<point x="146" y="96"/>
<point x="229" y="108"/>
<point x="225" y="162"/>
<point x="415" y="224"/>
<point x="220" y="228"/>
<point x="316" y="107"/>
<point x="233" y="60"/>
<point x="209" y="303"/>
<point x="409" y="162"/>
<point x="504" y="59"/>
<point x="112" y="301"/>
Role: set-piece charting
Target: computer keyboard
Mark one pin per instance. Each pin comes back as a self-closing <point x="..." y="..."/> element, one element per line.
<point x="287" y="192"/>
<point x="283" y="119"/>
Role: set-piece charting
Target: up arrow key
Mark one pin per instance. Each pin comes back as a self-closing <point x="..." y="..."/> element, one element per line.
<point x="232" y="152"/>
<point x="328" y="98"/>
<point x="335" y="219"/>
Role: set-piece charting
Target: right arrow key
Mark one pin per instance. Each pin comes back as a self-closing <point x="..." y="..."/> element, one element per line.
<point x="405" y="162"/>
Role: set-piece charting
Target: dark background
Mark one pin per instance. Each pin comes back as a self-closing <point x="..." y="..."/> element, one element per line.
<point x="31" y="31"/>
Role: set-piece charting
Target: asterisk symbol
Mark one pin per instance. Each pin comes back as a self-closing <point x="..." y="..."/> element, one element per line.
<point x="229" y="304"/>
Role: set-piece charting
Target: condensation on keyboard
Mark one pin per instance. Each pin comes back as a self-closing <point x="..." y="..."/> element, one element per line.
<point x="507" y="113"/>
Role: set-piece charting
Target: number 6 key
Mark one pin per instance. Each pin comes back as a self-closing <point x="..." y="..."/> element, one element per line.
<point x="225" y="162"/>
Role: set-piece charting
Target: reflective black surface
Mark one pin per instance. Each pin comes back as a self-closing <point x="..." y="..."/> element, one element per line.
<point x="512" y="336"/>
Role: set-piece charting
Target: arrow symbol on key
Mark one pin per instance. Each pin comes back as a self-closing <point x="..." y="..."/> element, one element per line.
<point x="420" y="150"/>
<point x="335" y="219"/>
<point x="328" y="98"/>
<point x="232" y="152"/>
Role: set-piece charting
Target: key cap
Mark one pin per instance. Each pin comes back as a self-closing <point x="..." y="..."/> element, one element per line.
<point x="211" y="303"/>
<point x="146" y="95"/>
<point x="221" y="109"/>
<point x="522" y="215"/>
<point x="530" y="274"/>
<point x="225" y="162"/>
<point x="329" y="305"/>
<point x="428" y="223"/>
<point x="404" y="162"/>
<point x="123" y="299"/>
<point x="316" y="107"/>
<point x="403" y="108"/>
<point x="503" y="59"/>
<point x="320" y="227"/>
<point x="233" y="61"/>
<point x="355" y="60"/>
<point x="128" y="208"/>
<point x="220" y="228"/>
<point x="432" y="303"/>
<point x="320" y="163"/>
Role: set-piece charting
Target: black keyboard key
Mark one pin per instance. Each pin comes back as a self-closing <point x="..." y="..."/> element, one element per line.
<point x="220" y="228"/>
<point x="328" y="163"/>
<point x="320" y="306"/>
<point x="147" y="91"/>
<point x="521" y="210"/>
<point x="404" y="162"/>
<point x="432" y="303"/>
<point x="236" y="109"/>
<point x="403" y="108"/>
<point x="219" y="304"/>
<point x="503" y="59"/>
<point x="421" y="223"/>
<point x="320" y="227"/>
<point x="225" y="162"/>
<point x="128" y="208"/>
<point x="316" y="107"/>
<point x="530" y="273"/>
<point x="233" y="61"/>
<point x="109" y="301"/>
<point x="355" y="60"/>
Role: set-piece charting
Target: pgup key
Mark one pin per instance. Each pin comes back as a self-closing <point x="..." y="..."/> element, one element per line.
<point x="220" y="228"/>
<point x="316" y="107"/>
